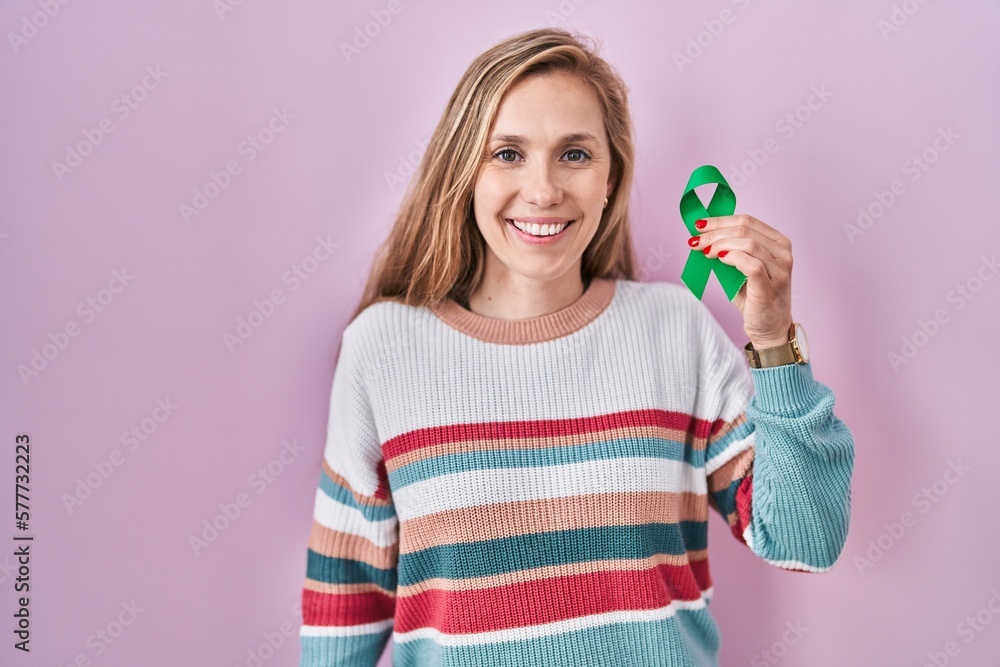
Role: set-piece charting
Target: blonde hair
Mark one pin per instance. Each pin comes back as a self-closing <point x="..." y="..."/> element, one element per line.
<point x="435" y="248"/>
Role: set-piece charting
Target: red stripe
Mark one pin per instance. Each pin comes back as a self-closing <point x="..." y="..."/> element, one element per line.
<point x="701" y="572"/>
<point x="716" y="427"/>
<point x="548" y="600"/>
<point x="744" y="494"/>
<point x="413" y="440"/>
<point x="342" y="610"/>
<point x="382" y="491"/>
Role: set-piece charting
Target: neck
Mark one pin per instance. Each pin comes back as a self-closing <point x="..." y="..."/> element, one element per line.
<point x="514" y="297"/>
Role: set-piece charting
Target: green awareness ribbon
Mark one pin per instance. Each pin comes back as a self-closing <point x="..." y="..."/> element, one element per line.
<point x="699" y="267"/>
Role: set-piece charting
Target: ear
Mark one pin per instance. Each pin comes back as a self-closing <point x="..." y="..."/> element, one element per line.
<point x="612" y="181"/>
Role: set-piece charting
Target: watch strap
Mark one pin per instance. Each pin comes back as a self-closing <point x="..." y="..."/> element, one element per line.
<point x="779" y="355"/>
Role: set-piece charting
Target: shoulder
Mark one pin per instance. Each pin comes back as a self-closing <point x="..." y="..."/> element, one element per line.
<point x="671" y="314"/>
<point x="381" y="329"/>
<point x="387" y="318"/>
<point x="661" y="301"/>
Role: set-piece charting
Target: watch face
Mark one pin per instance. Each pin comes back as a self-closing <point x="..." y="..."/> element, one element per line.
<point x="800" y="338"/>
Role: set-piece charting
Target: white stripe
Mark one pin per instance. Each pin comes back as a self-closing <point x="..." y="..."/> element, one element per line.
<point x="500" y="485"/>
<point x="427" y="374"/>
<point x="796" y="565"/>
<point x="729" y="453"/>
<point x="337" y="516"/>
<point x="784" y="564"/>
<point x="344" y="631"/>
<point x="555" y="628"/>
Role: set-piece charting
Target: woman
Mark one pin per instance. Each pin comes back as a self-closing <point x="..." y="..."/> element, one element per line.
<point x="524" y="441"/>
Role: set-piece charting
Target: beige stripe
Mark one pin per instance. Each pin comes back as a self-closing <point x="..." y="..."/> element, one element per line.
<point x="345" y="589"/>
<point x="728" y="426"/>
<point x="545" y="442"/>
<point x="360" y="498"/>
<point x="594" y="300"/>
<point x="336" y="544"/>
<point x="488" y="522"/>
<point x="550" y="571"/>
<point x="733" y="469"/>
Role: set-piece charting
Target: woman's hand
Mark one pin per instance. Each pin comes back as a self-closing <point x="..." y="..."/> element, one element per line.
<point x="764" y="255"/>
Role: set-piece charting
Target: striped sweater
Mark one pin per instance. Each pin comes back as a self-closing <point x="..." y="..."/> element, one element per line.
<point x="536" y="492"/>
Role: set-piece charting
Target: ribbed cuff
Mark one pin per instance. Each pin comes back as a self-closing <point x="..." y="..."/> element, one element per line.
<point x="786" y="389"/>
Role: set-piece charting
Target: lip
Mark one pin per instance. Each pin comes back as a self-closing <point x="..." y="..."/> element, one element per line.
<point x="540" y="240"/>
<point x="542" y="221"/>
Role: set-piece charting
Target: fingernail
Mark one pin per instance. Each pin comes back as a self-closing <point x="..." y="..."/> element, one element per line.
<point x="707" y="248"/>
<point x="700" y="224"/>
<point x="693" y="241"/>
<point x="723" y="253"/>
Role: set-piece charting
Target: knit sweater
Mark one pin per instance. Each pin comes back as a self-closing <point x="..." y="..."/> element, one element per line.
<point x="536" y="492"/>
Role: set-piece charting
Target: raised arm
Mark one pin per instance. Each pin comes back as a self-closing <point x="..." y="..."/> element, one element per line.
<point x="779" y="462"/>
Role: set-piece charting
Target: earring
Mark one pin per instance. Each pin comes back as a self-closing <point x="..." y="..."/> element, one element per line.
<point x="605" y="202"/>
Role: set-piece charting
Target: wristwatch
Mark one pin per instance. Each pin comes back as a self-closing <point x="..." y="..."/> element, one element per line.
<point x="795" y="351"/>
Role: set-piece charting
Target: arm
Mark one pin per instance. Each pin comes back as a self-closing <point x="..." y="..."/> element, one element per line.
<point x="779" y="462"/>
<point x="348" y="600"/>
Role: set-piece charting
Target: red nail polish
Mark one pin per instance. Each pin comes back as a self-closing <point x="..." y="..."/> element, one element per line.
<point x="693" y="241"/>
<point x="700" y="224"/>
<point x="723" y="253"/>
<point x="707" y="248"/>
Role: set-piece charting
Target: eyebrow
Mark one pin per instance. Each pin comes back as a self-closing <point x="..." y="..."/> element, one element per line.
<point x="517" y="139"/>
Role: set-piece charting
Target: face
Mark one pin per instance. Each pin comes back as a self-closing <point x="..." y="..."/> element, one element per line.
<point x="547" y="162"/>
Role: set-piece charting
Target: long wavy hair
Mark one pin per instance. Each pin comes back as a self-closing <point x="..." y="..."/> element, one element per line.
<point x="435" y="248"/>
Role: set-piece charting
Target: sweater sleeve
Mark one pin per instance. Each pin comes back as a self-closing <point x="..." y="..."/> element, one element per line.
<point x="778" y="461"/>
<point x="349" y="596"/>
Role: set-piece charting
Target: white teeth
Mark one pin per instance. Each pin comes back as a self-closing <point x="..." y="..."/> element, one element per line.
<point x="540" y="230"/>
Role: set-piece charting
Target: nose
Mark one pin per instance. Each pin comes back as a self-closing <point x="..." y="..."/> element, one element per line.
<point x="541" y="186"/>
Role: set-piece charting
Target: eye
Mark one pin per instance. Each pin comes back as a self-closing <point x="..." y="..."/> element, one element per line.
<point x="583" y="155"/>
<point x="502" y="151"/>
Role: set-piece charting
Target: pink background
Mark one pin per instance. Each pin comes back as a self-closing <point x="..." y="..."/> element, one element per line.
<point x="324" y="175"/>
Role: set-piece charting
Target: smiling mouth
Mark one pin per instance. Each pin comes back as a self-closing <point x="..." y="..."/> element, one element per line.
<point x="540" y="231"/>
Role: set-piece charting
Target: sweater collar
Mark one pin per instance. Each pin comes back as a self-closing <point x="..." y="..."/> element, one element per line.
<point x="540" y="328"/>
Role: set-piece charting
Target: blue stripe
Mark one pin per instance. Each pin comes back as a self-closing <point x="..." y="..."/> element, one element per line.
<point x="725" y="499"/>
<point x="521" y="552"/>
<point x="717" y="447"/>
<point x="346" y="571"/>
<point x="345" y="497"/>
<point x="490" y="459"/>
<point x="355" y="650"/>
<point x="691" y="637"/>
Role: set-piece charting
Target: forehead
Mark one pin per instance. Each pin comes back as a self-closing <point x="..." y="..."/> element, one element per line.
<point x="544" y="107"/>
